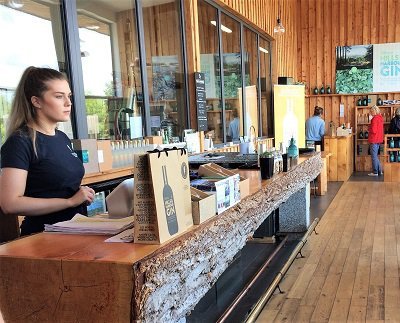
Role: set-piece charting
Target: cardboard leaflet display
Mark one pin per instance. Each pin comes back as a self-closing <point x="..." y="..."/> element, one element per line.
<point x="203" y="205"/>
<point x="212" y="169"/>
<point x="162" y="201"/>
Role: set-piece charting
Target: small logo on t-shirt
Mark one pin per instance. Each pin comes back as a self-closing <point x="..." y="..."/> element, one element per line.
<point x="73" y="153"/>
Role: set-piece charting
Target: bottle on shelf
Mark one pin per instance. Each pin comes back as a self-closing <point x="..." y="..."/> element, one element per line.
<point x="359" y="102"/>
<point x="361" y="134"/>
<point x="391" y="143"/>
<point x="366" y="134"/>
<point x="315" y="90"/>
<point x="322" y="90"/>
<point x="328" y="89"/>
<point x="398" y="157"/>
<point x="365" y="102"/>
<point x="379" y="101"/>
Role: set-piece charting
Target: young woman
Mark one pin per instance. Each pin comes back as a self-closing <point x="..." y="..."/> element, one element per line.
<point x="375" y="138"/>
<point x="41" y="174"/>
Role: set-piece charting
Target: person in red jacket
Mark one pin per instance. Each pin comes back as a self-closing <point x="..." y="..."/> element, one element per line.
<point x="375" y="138"/>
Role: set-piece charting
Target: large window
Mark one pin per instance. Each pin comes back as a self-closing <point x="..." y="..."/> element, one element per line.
<point x="20" y="25"/>
<point x="241" y="106"/>
<point x="267" y="114"/>
<point x="209" y="61"/>
<point x="164" y="67"/>
<point x="111" y="69"/>
<point x="232" y="74"/>
<point x="251" y="85"/>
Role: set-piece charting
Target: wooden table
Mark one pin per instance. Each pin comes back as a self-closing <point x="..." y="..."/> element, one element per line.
<point x="70" y="278"/>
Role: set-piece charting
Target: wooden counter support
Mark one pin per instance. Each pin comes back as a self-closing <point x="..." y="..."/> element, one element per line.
<point x="342" y="157"/>
<point x="80" y="278"/>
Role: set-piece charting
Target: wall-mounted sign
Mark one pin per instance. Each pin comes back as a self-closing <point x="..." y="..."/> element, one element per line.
<point x="368" y="68"/>
<point x="201" y="101"/>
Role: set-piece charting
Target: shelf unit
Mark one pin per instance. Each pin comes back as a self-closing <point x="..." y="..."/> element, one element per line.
<point x="362" y="157"/>
<point x="391" y="169"/>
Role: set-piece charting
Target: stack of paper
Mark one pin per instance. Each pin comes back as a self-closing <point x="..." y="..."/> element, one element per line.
<point x="98" y="224"/>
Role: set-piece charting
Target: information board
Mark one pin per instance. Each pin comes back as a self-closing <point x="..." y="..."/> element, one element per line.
<point x="201" y="101"/>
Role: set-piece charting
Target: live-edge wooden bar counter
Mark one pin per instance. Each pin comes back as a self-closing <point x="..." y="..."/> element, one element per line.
<point x="70" y="278"/>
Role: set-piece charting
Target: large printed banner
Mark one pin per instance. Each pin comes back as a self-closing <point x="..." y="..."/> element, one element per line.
<point x="289" y="115"/>
<point x="386" y="67"/>
<point x="368" y="68"/>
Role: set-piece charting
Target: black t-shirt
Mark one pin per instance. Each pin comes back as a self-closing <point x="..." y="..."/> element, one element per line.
<point x="56" y="172"/>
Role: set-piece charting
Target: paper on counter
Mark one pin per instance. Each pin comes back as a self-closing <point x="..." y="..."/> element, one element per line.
<point x="91" y="225"/>
<point x="124" y="236"/>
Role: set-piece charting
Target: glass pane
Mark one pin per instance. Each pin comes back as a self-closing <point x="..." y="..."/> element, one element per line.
<point x="209" y="62"/>
<point x="162" y="35"/>
<point x="20" y="26"/>
<point x="111" y="70"/>
<point x="231" y="61"/>
<point x="266" y="88"/>
<point x="251" y="71"/>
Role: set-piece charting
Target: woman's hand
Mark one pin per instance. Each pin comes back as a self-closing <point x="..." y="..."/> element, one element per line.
<point x="85" y="194"/>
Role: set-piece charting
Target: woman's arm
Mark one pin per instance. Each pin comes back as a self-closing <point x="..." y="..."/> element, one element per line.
<point x="13" y="201"/>
<point x="373" y="127"/>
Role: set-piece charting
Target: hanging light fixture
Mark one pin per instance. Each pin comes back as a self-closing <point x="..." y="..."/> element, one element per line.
<point x="279" y="29"/>
<point x="15" y="4"/>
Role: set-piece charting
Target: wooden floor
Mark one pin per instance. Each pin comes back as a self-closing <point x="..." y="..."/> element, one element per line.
<point x="350" y="272"/>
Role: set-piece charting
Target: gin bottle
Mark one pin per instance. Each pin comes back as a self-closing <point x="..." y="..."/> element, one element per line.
<point x="169" y="205"/>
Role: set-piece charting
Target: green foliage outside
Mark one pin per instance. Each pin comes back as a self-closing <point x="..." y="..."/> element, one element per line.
<point x="5" y="109"/>
<point x="99" y="107"/>
<point x="232" y="83"/>
<point x="354" y="80"/>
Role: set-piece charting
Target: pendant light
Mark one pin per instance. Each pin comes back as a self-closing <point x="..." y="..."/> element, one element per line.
<point x="279" y="29"/>
<point x="15" y="4"/>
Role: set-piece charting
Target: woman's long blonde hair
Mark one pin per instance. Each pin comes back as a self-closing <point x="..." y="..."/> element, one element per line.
<point x="375" y="109"/>
<point x="33" y="82"/>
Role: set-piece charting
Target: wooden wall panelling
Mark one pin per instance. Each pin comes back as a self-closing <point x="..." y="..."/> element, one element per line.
<point x="193" y="30"/>
<point x="343" y="22"/>
<point x="313" y="29"/>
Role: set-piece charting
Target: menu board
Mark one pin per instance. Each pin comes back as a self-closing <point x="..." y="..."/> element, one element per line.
<point x="201" y="101"/>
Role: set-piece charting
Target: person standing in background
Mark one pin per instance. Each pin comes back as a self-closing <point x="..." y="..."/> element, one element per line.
<point x="375" y="139"/>
<point x="233" y="130"/>
<point x="40" y="173"/>
<point x="394" y="127"/>
<point x="315" y="127"/>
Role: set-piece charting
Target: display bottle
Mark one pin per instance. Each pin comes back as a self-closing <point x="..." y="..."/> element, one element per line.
<point x="322" y="90"/>
<point x="292" y="149"/>
<point x="366" y="134"/>
<point x="315" y="91"/>
<point x="290" y="122"/>
<point x="365" y="102"/>
<point x="391" y="143"/>
<point x="359" y="102"/>
<point x="398" y="157"/>
<point x="361" y="134"/>
<point x="379" y="101"/>
<point x="169" y="205"/>
<point x="328" y="90"/>
<point x="391" y="157"/>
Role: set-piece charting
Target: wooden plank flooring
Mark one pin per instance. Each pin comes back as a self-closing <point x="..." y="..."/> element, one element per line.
<point x="350" y="272"/>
